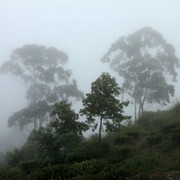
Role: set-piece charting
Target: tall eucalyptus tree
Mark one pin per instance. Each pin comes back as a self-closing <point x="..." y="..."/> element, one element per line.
<point x="147" y="64"/>
<point x="42" y="72"/>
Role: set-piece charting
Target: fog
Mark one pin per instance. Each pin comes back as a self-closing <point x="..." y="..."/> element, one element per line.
<point x="83" y="29"/>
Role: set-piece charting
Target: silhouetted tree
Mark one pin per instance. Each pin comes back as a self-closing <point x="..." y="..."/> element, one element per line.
<point x="40" y="70"/>
<point x="103" y="102"/>
<point x="146" y="62"/>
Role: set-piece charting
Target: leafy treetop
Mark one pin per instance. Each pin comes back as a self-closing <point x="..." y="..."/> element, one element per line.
<point x="103" y="102"/>
<point x="145" y="60"/>
<point x="41" y="70"/>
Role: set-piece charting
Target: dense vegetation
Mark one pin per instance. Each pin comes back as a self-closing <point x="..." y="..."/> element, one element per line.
<point x="148" y="149"/>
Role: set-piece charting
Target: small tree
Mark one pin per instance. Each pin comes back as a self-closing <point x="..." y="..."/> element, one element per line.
<point x="102" y="102"/>
<point x="66" y="120"/>
<point x="62" y="134"/>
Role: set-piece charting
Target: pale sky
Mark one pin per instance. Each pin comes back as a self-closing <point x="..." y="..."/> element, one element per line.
<point x="84" y="29"/>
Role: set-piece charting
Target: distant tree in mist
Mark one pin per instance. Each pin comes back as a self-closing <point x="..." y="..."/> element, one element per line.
<point x="147" y="64"/>
<point x="103" y="103"/>
<point x="41" y="70"/>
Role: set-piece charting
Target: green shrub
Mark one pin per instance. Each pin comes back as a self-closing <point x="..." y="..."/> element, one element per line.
<point x="146" y="119"/>
<point x="89" y="177"/>
<point x="176" y="108"/>
<point x="26" y="153"/>
<point x="119" y="154"/>
<point x="29" y="166"/>
<point x="84" y="169"/>
<point x="157" y="123"/>
<point x="93" y="166"/>
<point x="122" y="139"/>
<point x="143" y="163"/>
<point x="169" y="128"/>
<point x="176" y="136"/>
<point x="135" y="134"/>
<point x="11" y="173"/>
<point x="88" y="151"/>
<point x="173" y="166"/>
<point x="49" y="172"/>
<point x="154" y="138"/>
<point x="116" y="172"/>
<point x="14" y="157"/>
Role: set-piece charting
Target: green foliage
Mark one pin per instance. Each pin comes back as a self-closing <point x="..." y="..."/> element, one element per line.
<point x="89" y="150"/>
<point x="135" y="134"/>
<point x="154" y="138"/>
<point x="175" y="164"/>
<point x="44" y="138"/>
<point x="132" y="152"/>
<point x="27" y="153"/>
<point x="54" y="147"/>
<point x="169" y="127"/>
<point x="85" y="169"/>
<point x="40" y="70"/>
<point x="146" y="119"/>
<point x="120" y="153"/>
<point x="66" y="120"/>
<point x="102" y="102"/>
<point x="3" y="161"/>
<point x="49" y="172"/>
<point x="128" y="135"/>
<point x="14" y="157"/>
<point x="163" y="119"/>
<point x="63" y="133"/>
<point x="29" y="166"/>
<point x="144" y="59"/>
<point x="11" y="173"/>
<point x="122" y="139"/>
<point x="51" y="144"/>
<point x="143" y="163"/>
<point x="88" y="167"/>
<point x="176" y="136"/>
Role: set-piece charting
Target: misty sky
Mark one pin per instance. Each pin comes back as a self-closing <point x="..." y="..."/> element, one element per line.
<point x="84" y="29"/>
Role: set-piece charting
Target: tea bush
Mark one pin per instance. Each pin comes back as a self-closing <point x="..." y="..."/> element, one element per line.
<point x="154" y="138"/>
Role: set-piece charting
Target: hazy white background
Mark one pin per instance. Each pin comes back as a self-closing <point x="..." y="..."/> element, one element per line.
<point x="84" y="29"/>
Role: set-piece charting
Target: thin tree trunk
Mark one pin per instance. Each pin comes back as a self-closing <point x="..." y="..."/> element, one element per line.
<point x="135" y="109"/>
<point x="139" y="115"/>
<point x="122" y="96"/>
<point x="41" y="122"/>
<point x="100" y="128"/>
<point x="35" y="124"/>
<point x="143" y="101"/>
<point x="142" y="108"/>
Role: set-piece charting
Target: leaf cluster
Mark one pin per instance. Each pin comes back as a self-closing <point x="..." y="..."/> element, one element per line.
<point x="103" y="102"/>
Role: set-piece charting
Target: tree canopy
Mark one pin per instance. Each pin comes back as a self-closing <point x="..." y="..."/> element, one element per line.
<point x="103" y="103"/>
<point x="42" y="72"/>
<point x="147" y="64"/>
<point x="66" y="120"/>
<point x="63" y="133"/>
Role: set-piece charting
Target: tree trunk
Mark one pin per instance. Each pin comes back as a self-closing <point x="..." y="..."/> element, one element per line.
<point x="142" y="108"/>
<point x="122" y="96"/>
<point x="100" y="128"/>
<point x="135" y="110"/>
<point x="35" y="124"/>
<point x="139" y="113"/>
